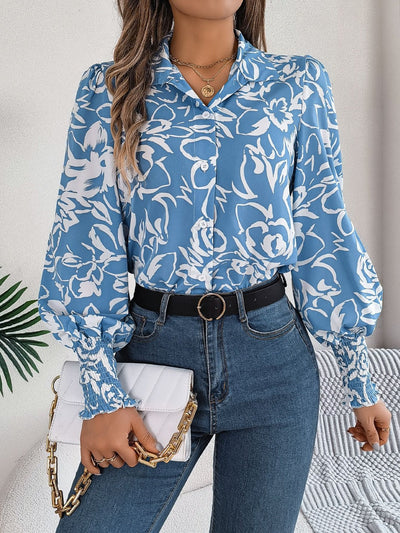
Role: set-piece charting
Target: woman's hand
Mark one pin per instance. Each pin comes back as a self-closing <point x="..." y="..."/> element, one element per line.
<point x="370" y="421"/>
<point x="107" y="433"/>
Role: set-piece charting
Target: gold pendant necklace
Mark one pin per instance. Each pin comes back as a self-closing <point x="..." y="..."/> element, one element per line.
<point x="207" y="90"/>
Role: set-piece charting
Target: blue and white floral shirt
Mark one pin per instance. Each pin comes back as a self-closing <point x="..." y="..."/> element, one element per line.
<point x="235" y="190"/>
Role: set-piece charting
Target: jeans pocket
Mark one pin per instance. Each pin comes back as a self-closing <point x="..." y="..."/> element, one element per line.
<point x="269" y="321"/>
<point x="146" y="322"/>
<point x="302" y="332"/>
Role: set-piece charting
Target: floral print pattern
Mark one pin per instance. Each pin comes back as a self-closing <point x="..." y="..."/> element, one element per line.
<point x="235" y="191"/>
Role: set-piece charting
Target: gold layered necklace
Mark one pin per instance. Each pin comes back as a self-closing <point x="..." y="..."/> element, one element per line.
<point x="207" y="90"/>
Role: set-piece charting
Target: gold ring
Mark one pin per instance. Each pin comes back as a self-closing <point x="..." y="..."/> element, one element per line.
<point x="100" y="461"/>
<point x="111" y="459"/>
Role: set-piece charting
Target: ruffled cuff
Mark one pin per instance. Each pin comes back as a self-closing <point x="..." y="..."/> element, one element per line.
<point x="352" y="356"/>
<point x="102" y="390"/>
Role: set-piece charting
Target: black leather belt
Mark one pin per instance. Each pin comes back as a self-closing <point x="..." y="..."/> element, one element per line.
<point x="212" y="305"/>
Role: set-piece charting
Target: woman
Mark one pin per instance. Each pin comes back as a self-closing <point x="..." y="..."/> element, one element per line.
<point x="200" y="163"/>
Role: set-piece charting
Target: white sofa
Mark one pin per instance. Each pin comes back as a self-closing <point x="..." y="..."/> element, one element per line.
<point x="25" y="501"/>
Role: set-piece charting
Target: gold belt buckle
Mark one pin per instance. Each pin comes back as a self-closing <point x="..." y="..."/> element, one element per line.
<point x="209" y="294"/>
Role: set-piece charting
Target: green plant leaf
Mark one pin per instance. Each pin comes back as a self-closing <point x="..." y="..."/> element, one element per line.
<point x="16" y="340"/>
<point x="31" y="334"/>
<point x="17" y="310"/>
<point x="24" y="325"/>
<point x="36" y="343"/>
<point x="20" y="351"/>
<point x="13" y="359"/>
<point x="13" y="346"/>
<point x="6" y="373"/>
<point x="4" y="303"/>
<point x="33" y="352"/>
<point x="3" y="279"/>
<point x="29" y="360"/>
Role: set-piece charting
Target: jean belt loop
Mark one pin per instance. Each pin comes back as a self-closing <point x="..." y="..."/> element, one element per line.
<point x="163" y="307"/>
<point x="241" y="305"/>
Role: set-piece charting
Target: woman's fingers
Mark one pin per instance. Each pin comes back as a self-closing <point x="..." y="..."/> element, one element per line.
<point x="86" y="460"/>
<point x="383" y="435"/>
<point x="361" y="437"/>
<point x="144" y="436"/>
<point x="116" y="463"/>
<point x="106" y="453"/>
<point x="382" y="424"/>
<point x="358" y="435"/>
<point x="128" y="454"/>
<point x="370" y="425"/>
<point x="107" y="434"/>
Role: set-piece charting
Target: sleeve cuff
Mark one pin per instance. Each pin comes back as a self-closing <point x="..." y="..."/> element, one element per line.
<point x="102" y="390"/>
<point x="352" y="356"/>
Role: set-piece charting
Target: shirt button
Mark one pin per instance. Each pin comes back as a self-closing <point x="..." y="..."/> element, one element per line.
<point x="197" y="103"/>
<point x="204" y="165"/>
<point x="203" y="224"/>
<point x="202" y="277"/>
<point x="206" y="114"/>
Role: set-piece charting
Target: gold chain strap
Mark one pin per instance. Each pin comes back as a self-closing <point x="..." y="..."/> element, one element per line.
<point x="57" y="498"/>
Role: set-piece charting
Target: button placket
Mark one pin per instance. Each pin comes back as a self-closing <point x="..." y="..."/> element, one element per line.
<point x="203" y="216"/>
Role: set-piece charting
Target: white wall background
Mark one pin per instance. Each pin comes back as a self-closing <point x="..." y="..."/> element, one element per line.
<point x="46" y="46"/>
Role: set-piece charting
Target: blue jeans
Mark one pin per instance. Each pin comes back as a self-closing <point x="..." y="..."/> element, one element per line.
<point x="257" y="384"/>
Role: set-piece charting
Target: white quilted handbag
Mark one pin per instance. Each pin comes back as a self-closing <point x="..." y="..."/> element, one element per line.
<point x="168" y="405"/>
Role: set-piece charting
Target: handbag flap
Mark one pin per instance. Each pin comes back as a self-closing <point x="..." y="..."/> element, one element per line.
<point x="158" y="387"/>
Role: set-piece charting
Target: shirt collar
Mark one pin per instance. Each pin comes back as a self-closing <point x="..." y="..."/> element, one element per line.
<point x="253" y="63"/>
